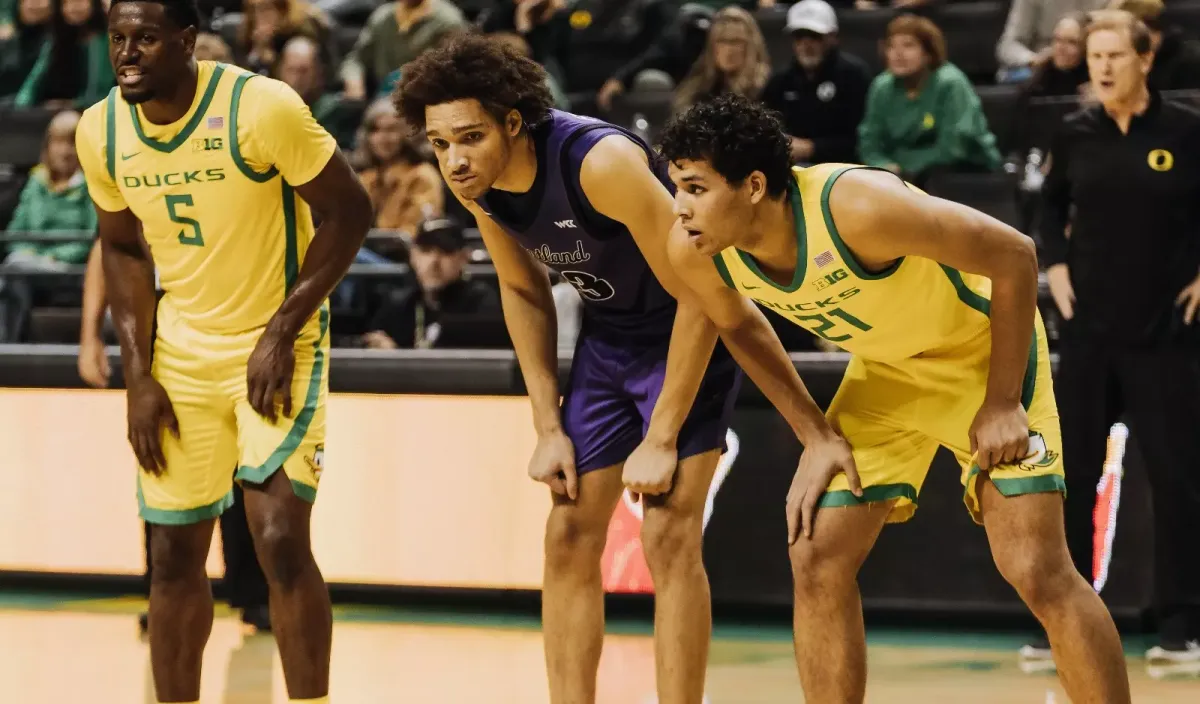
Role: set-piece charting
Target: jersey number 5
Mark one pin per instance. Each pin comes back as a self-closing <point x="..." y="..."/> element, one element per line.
<point x="825" y="324"/>
<point x="195" y="238"/>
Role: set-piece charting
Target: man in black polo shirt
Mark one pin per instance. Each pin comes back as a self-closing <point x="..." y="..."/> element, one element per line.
<point x="1127" y="281"/>
<point x="823" y="94"/>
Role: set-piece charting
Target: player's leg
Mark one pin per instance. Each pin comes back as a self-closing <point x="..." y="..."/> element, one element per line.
<point x="1163" y="389"/>
<point x="604" y="428"/>
<point x="673" y="526"/>
<point x="245" y="583"/>
<point x="572" y="586"/>
<point x="672" y="536"/>
<point x="1025" y="531"/>
<point x="279" y="470"/>
<point x="892" y="461"/>
<point x="181" y="506"/>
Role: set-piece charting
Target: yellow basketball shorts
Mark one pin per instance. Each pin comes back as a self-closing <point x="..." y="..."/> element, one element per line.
<point x="896" y="415"/>
<point x="220" y="436"/>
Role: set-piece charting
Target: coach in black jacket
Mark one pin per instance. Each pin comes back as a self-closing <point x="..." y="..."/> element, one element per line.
<point x="1127" y="282"/>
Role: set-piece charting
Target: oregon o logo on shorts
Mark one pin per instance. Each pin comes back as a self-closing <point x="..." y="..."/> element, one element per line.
<point x="1160" y="159"/>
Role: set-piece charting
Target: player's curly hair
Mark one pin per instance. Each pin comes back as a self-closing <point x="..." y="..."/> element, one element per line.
<point x="474" y="66"/>
<point x="736" y="135"/>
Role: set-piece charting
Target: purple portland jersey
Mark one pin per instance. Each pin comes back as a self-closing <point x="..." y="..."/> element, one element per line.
<point x="597" y="255"/>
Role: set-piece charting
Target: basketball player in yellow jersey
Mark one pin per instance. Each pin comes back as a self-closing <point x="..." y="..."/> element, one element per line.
<point x="937" y="304"/>
<point x="217" y="168"/>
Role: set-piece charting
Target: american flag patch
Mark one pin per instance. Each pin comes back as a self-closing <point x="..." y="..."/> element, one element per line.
<point x="216" y="123"/>
<point x="823" y="259"/>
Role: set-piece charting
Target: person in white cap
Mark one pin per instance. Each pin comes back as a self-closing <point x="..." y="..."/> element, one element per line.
<point x="822" y="95"/>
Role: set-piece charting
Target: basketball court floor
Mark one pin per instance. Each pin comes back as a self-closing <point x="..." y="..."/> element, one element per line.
<point x="63" y="650"/>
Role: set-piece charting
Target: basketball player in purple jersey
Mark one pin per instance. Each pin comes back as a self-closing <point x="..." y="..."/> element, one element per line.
<point x="591" y="201"/>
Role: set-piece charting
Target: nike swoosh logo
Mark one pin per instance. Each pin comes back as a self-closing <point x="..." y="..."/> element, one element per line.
<point x="127" y="157"/>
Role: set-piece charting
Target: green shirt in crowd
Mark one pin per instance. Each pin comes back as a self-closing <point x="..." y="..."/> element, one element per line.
<point x="943" y="125"/>
<point x="95" y="66"/>
<point x="44" y="210"/>
<point x="382" y="47"/>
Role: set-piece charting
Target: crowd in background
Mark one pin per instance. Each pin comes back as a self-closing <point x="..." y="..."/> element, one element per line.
<point x="921" y="117"/>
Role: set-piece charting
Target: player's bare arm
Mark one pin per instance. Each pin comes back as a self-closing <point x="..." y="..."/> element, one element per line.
<point x="93" y="359"/>
<point x="338" y="197"/>
<point x="882" y="220"/>
<point x="618" y="183"/>
<point x="529" y="314"/>
<point x="757" y="348"/>
<point x="129" y="272"/>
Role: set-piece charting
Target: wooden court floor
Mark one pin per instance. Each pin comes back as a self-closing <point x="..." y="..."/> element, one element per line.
<point x="54" y="651"/>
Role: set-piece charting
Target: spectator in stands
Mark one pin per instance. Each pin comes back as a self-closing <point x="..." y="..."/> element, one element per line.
<point x="73" y="69"/>
<point x="54" y="201"/>
<point x="1176" y="58"/>
<point x="665" y="63"/>
<point x="734" y="61"/>
<point x="923" y="115"/>
<point x="543" y="23"/>
<point x="1065" y="73"/>
<point x="895" y="4"/>
<point x="396" y="33"/>
<point x="822" y="95"/>
<point x="1029" y="31"/>
<point x="413" y="316"/>
<point x="211" y="47"/>
<point x="271" y="23"/>
<point x="300" y="67"/>
<point x="517" y="42"/>
<point x="405" y="188"/>
<point x="21" y="39"/>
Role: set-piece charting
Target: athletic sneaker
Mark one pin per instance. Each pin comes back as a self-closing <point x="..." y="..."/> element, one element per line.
<point x="1169" y="652"/>
<point x="1036" y="656"/>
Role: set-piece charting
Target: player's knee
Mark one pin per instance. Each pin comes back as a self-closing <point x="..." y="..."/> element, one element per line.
<point x="176" y="555"/>
<point x="283" y="551"/>
<point x="671" y="540"/>
<point x="818" y="568"/>
<point x="572" y="539"/>
<point x="1041" y="576"/>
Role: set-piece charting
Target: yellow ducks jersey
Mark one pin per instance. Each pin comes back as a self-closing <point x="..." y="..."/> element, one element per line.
<point x="915" y="306"/>
<point x="214" y="192"/>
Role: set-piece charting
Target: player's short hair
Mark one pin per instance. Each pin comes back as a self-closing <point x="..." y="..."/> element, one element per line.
<point x="1120" y="21"/>
<point x="1148" y="11"/>
<point x="183" y="13"/>
<point x="734" y="134"/>
<point x="476" y="67"/>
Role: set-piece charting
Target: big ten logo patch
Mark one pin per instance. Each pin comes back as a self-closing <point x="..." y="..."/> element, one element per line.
<point x="830" y="279"/>
<point x="317" y="462"/>
<point x="208" y="144"/>
<point x="1160" y="159"/>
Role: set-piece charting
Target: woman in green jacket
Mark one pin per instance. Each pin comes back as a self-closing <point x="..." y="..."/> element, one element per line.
<point x="73" y="69"/>
<point x="922" y="113"/>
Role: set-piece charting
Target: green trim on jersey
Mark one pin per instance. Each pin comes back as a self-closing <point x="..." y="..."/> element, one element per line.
<point x="110" y="130"/>
<point x="834" y="235"/>
<point x="291" y="257"/>
<point x="801" y="245"/>
<point x="234" y="148"/>
<point x="192" y="124"/>
<point x="983" y="305"/>
<point x="723" y="270"/>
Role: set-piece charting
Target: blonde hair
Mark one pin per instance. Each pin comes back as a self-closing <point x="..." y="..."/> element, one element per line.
<point x="1120" y="21"/>
<point x="704" y="77"/>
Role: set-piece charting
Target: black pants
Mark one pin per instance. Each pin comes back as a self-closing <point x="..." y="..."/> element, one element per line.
<point x="1157" y="393"/>
<point x="245" y="584"/>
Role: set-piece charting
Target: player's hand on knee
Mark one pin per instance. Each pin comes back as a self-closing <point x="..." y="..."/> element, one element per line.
<point x="822" y="460"/>
<point x="999" y="434"/>
<point x="149" y="410"/>
<point x="269" y="375"/>
<point x="650" y="469"/>
<point x="553" y="463"/>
